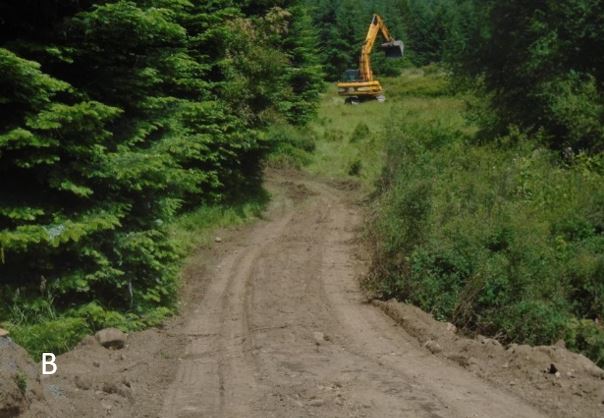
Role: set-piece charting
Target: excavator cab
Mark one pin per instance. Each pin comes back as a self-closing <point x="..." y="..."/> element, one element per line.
<point x="351" y="75"/>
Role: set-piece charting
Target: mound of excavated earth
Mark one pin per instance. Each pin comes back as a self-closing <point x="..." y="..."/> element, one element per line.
<point x="568" y="384"/>
<point x="19" y="379"/>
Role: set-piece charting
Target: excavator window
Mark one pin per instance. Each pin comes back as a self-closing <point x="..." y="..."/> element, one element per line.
<point x="351" y="75"/>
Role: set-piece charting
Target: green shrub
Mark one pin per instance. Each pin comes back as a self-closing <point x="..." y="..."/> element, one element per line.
<point x="587" y="337"/>
<point x="290" y="146"/>
<point x="355" y="168"/>
<point x="21" y="381"/>
<point x="55" y="336"/>
<point x="361" y="132"/>
<point x="97" y="317"/>
<point x="504" y="240"/>
<point x="532" y="322"/>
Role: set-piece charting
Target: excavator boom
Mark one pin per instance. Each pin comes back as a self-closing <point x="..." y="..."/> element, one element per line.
<point x="392" y="48"/>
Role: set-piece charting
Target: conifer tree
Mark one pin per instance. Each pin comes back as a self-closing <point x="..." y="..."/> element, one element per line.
<point x="52" y="158"/>
<point x="304" y="74"/>
<point x="117" y="116"/>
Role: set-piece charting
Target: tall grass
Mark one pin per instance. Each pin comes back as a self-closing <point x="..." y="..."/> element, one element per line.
<point x="351" y="139"/>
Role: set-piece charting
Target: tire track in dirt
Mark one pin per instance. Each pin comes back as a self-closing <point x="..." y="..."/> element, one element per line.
<point x="215" y="370"/>
<point x="283" y="331"/>
<point x="273" y="324"/>
<point x="451" y="391"/>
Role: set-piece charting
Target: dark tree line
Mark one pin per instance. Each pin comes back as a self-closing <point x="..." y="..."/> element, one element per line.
<point x="540" y="62"/>
<point x="427" y="27"/>
<point x="115" y="116"/>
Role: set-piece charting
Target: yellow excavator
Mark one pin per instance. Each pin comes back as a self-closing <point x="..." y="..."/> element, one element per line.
<point x="359" y="85"/>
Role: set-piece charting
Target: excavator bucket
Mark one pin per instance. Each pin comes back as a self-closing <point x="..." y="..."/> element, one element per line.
<point x="393" y="49"/>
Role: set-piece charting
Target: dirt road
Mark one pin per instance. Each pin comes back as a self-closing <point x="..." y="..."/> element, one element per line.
<point x="277" y="327"/>
<point x="283" y="331"/>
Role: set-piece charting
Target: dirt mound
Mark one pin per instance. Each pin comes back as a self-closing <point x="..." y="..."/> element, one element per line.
<point x="565" y="383"/>
<point x="94" y="381"/>
<point x="19" y="381"/>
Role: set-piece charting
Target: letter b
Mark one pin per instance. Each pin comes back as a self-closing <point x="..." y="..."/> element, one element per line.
<point x="46" y="362"/>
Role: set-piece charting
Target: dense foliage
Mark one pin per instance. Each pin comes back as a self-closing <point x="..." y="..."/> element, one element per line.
<point x="500" y="231"/>
<point x="342" y="26"/>
<point x="539" y="61"/>
<point x="502" y="238"/>
<point x="116" y="116"/>
<point x="432" y="30"/>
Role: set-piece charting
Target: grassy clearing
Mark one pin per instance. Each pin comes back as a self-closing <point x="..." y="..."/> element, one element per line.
<point x="351" y="139"/>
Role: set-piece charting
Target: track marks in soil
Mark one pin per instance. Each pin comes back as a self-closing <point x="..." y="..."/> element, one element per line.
<point x="253" y="349"/>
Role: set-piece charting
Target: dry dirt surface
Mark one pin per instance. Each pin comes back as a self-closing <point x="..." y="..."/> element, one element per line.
<point x="274" y="324"/>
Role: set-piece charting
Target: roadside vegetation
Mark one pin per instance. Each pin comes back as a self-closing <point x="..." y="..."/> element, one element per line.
<point x="502" y="239"/>
<point x="129" y="130"/>
<point x="489" y="205"/>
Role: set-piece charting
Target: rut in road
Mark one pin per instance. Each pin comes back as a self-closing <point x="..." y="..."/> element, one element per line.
<point x="283" y="331"/>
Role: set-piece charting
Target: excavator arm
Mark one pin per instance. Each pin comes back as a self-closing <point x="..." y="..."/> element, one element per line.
<point x="392" y="47"/>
